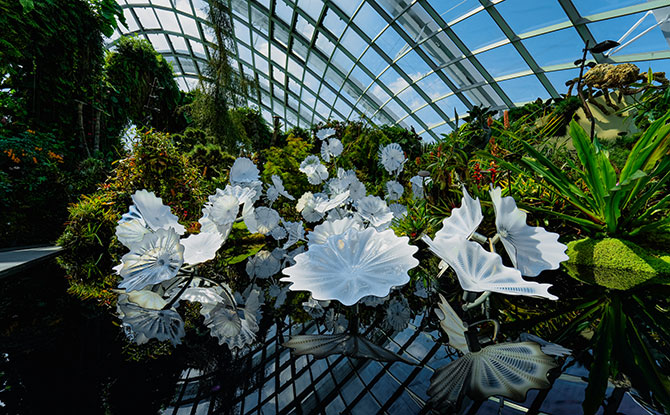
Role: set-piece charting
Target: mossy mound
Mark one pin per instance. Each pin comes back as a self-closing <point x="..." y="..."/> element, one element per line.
<point x="616" y="264"/>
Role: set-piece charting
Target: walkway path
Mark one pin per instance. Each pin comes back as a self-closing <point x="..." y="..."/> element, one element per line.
<point x="18" y="259"/>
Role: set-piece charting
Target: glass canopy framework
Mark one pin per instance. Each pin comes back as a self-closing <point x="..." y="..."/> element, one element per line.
<point x="412" y="63"/>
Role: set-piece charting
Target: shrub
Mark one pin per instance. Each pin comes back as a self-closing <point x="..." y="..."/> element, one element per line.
<point x="33" y="195"/>
<point x="91" y="248"/>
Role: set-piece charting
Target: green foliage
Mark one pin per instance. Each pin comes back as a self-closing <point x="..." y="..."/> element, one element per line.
<point x="253" y="130"/>
<point x="32" y="188"/>
<point x="91" y="248"/>
<point x="216" y="162"/>
<point x="51" y="57"/>
<point x="222" y="88"/>
<point x="629" y="202"/>
<point x="285" y="162"/>
<point x="361" y="151"/>
<point x="140" y="88"/>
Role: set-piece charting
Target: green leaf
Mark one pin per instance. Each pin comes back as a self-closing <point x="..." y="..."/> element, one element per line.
<point x="27" y="5"/>
<point x="600" y="368"/>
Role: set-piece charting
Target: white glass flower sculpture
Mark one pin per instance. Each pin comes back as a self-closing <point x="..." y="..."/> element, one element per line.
<point x="243" y="172"/>
<point x="397" y="314"/>
<point x="352" y="265"/>
<point x="201" y="247"/>
<point x="479" y="270"/>
<point x="399" y="211"/>
<point x="261" y="220"/>
<point x="507" y="369"/>
<point x="394" y="190"/>
<point x="323" y="231"/>
<point x="392" y="158"/>
<point x="223" y="210"/>
<point x="307" y="207"/>
<point x="236" y="327"/>
<point x="417" y="186"/>
<point x="331" y="148"/>
<point x="315" y="171"/>
<point x="296" y="232"/>
<point x="531" y="249"/>
<point x="279" y="233"/>
<point x="142" y="324"/>
<point x="375" y="211"/>
<point x="264" y="264"/>
<point x="154" y="260"/>
<point x="325" y="133"/>
<point x="278" y="186"/>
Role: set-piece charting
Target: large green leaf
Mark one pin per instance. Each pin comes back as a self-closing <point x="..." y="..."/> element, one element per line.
<point x="650" y="148"/>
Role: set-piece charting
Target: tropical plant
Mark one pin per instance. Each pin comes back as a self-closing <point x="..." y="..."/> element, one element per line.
<point x="629" y="202"/>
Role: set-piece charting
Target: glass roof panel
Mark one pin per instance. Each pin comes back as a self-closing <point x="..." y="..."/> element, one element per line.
<point x="503" y="60"/>
<point x="526" y="15"/>
<point x="429" y="57"/>
<point x="555" y="47"/>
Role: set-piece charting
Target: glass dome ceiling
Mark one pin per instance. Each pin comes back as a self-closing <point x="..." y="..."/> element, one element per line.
<point x="411" y="63"/>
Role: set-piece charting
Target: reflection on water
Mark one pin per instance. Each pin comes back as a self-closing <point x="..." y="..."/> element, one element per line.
<point x="62" y="356"/>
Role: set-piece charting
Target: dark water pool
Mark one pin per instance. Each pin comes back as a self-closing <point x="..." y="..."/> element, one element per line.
<point x="61" y="355"/>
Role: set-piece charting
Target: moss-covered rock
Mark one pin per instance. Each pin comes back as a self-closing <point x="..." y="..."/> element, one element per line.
<point x="616" y="264"/>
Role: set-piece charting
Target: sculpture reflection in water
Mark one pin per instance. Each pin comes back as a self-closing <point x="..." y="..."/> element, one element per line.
<point x="342" y="251"/>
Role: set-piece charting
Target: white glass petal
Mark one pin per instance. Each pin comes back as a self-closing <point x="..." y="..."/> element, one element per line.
<point x="315" y="171"/>
<point x="154" y="260"/>
<point x="352" y="345"/>
<point x="352" y="265"/>
<point x="131" y="232"/>
<point x="243" y="194"/>
<point x="463" y="221"/>
<point x="296" y="232"/>
<point x="452" y="325"/>
<point x="374" y="210"/>
<point x="531" y="249"/>
<point x="324" y="204"/>
<point x="201" y="247"/>
<point x="155" y="213"/>
<point x="479" y="270"/>
<point x="145" y="299"/>
<point x="322" y="232"/>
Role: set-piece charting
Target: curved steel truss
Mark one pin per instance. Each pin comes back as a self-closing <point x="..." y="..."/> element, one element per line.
<point x="408" y="62"/>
